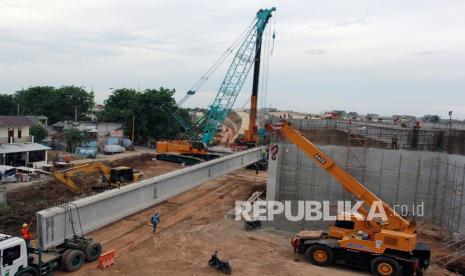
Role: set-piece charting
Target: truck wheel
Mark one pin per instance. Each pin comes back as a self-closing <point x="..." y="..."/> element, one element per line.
<point x="74" y="260"/>
<point x="26" y="273"/>
<point x="93" y="251"/>
<point x="320" y="255"/>
<point x="63" y="257"/>
<point x="383" y="266"/>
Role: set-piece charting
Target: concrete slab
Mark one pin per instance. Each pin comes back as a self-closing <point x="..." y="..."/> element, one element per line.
<point x="90" y="213"/>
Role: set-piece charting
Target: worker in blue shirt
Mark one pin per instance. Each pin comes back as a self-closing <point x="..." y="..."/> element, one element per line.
<point x="155" y="220"/>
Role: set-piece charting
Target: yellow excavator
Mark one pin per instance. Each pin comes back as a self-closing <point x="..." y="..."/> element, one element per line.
<point x="111" y="177"/>
<point x="385" y="247"/>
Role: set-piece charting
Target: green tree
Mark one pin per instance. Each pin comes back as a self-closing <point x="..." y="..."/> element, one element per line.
<point x="7" y="105"/>
<point x="435" y="119"/>
<point x="152" y="110"/>
<point x="155" y="110"/>
<point x="39" y="133"/>
<point x="69" y="97"/>
<point x="36" y="100"/>
<point x="120" y="107"/>
<point x="57" y="104"/>
<point x="74" y="137"/>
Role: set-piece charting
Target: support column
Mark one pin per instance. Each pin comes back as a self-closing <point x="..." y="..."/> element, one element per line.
<point x="272" y="179"/>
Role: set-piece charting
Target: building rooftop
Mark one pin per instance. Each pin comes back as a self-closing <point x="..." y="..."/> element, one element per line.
<point x="15" y="121"/>
<point x="21" y="147"/>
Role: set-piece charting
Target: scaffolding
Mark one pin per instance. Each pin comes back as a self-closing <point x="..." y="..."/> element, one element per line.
<point x="398" y="177"/>
<point x="335" y="132"/>
<point x="432" y="179"/>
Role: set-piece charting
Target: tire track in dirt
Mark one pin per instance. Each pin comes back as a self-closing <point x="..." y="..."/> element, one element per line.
<point x="128" y="233"/>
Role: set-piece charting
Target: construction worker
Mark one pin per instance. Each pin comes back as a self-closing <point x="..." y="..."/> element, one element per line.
<point x="155" y="220"/>
<point x="394" y="142"/>
<point x="26" y="234"/>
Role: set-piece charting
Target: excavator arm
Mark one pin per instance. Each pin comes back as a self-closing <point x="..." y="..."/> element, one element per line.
<point x="65" y="176"/>
<point x="350" y="184"/>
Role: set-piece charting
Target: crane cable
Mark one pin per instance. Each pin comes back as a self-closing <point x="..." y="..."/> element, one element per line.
<point x="262" y="91"/>
<point x="218" y="62"/>
<point x="263" y="46"/>
<point x="274" y="33"/>
<point x="265" y="67"/>
<point x="268" y="51"/>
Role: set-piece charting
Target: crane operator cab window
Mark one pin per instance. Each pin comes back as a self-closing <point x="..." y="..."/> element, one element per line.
<point x="121" y="174"/>
<point x="9" y="255"/>
<point x="13" y="257"/>
<point x="346" y="224"/>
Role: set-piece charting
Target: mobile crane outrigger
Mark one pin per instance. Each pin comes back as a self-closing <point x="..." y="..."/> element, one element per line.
<point x="388" y="247"/>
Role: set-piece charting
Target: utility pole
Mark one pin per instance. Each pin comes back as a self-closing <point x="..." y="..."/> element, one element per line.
<point x="133" y="123"/>
<point x="17" y="109"/>
<point x="76" y="113"/>
<point x="450" y="120"/>
<point x="450" y="130"/>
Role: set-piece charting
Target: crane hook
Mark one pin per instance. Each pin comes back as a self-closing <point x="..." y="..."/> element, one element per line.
<point x="274" y="151"/>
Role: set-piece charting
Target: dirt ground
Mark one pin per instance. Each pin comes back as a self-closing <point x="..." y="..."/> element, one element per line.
<point x="192" y="226"/>
<point x="76" y="159"/>
<point x="25" y="201"/>
<point x="195" y="224"/>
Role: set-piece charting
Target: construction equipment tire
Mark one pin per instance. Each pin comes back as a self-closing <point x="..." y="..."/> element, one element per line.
<point x="74" y="260"/>
<point x="92" y="251"/>
<point x="384" y="266"/>
<point x="63" y="257"/>
<point x="26" y="273"/>
<point x="320" y="255"/>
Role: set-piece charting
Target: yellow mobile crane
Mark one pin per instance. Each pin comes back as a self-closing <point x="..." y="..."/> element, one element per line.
<point x="386" y="247"/>
<point x="112" y="177"/>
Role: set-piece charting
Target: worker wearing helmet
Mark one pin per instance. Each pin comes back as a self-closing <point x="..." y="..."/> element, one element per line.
<point x="155" y="220"/>
<point x="26" y="234"/>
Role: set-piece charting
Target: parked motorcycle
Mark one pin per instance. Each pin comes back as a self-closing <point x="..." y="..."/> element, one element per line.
<point x="219" y="264"/>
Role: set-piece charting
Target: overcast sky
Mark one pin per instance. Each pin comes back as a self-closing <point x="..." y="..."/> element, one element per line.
<point x="387" y="57"/>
